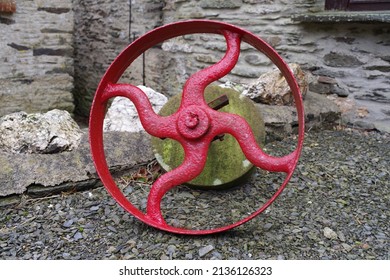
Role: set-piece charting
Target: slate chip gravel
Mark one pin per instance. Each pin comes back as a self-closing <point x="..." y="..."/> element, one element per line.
<point x="336" y="206"/>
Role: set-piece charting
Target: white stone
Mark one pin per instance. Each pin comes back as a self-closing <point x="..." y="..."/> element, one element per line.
<point x="272" y="88"/>
<point x="205" y="250"/>
<point x="175" y="47"/>
<point x="122" y="114"/>
<point x="329" y="233"/>
<point x="54" y="131"/>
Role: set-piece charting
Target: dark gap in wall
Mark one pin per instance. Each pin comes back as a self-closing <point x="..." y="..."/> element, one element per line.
<point x="53" y="52"/>
<point x="7" y="21"/>
<point x="18" y="47"/>
<point x="54" y="10"/>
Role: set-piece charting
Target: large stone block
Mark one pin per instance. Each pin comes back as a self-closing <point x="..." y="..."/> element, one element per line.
<point x="272" y="88"/>
<point x="52" y="132"/>
<point x="43" y="174"/>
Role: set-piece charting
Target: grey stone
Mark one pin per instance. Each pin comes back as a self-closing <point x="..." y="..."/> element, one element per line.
<point x="346" y="247"/>
<point x="383" y="125"/>
<point x="78" y="235"/>
<point x="36" y="71"/>
<point x="280" y="120"/>
<point x="381" y="68"/>
<point x="339" y="90"/>
<point x="335" y="59"/>
<point x="123" y="116"/>
<point x="380" y="97"/>
<point x="322" y="88"/>
<point x="329" y="233"/>
<point x="267" y="226"/>
<point x="205" y="250"/>
<point x="320" y="112"/>
<point x="66" y="256"/>
<point x="341" y="236"/>
<point x="220" y="4"/>
<point x="361" y="124"/>
<point x="342" y="16"/>
<point x="63" y="171"/>
<point x="52" y="132"/>
<point x="327" y="80"/>
<point x="171" y="46"/>
<point x="68" y="223"/>
<point x="253" y="59"/>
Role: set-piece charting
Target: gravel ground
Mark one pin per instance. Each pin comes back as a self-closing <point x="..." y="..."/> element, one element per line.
<point x="335" y="207"/>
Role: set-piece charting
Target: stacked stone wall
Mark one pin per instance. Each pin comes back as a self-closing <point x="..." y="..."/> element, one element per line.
<point x="102" y="30"/>
<point x="36" y="57"/>
<point x="354" y="54"/>
<point x="37" y="53"/>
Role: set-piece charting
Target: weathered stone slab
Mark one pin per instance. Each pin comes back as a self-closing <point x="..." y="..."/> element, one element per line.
<point x="52" y="132"/>
<point x="19" y="172"/>
<point x="36" y="50"/>
<point x="280" y="121"/>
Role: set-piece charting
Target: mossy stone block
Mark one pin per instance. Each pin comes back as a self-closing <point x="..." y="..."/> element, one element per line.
<point x="226" y="164"/>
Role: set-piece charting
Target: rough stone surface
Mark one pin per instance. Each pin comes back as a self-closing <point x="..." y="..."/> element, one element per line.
<point x="102" y="31"/>
<point x="36" y="57"/>
<point x="335" y="59"/>
<point x="354" y="53"/>
<point x="327" y="85"/>
<point x="272" y="88"/>
<point x="52" y="132"/>
<point x="122" y="114"/>
<point x="329" y="233"/>
<point x="359" y="49"/>
<point x="205" y="250"/>
<point x="42" y="174"/>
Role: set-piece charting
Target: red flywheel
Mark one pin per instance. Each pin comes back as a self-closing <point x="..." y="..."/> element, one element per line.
<point x="194" y="125"/>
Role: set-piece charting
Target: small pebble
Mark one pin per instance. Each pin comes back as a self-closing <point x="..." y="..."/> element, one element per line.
<point x="68" y="223"/>
<point x="329" y="233"/>
<point x="205" y="250"/>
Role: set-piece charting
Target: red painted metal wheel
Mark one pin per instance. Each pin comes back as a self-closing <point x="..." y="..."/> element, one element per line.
<point x="194" y="125"/>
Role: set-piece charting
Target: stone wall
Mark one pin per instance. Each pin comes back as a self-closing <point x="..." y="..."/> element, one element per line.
<point x="37" y="67"/>
<point x="102" y="30"/>
<point x="36" y="57"/>
<point x="356" y="55"/>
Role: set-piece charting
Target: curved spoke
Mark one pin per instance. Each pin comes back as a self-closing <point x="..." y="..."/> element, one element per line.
<point x="195" y="85"/>
<point x="154" y="124"/>
<point x="193" y="132"/>
<point x="192" y="166"/>
<point x="240" y="129"/>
